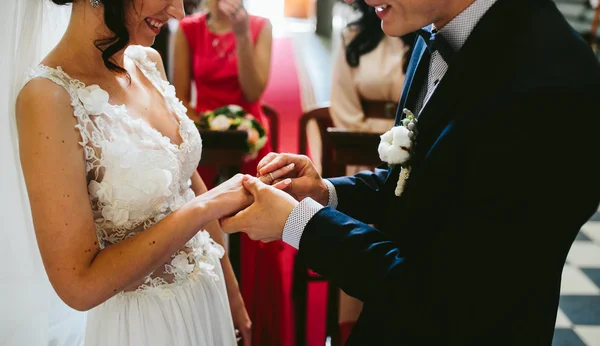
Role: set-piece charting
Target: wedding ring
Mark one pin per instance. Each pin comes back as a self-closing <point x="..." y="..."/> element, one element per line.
<point x="272" y="177"/>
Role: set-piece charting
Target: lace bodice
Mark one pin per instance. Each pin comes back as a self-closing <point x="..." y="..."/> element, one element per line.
<point x="137" y="176"/>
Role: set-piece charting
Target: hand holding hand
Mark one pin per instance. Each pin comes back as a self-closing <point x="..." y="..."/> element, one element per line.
<point x="265" y="218"/>
<point x="238" y="17"/>
<point x="305" y="180"/>
<point x="230" y="197"/>
<point x="227" y="198"/>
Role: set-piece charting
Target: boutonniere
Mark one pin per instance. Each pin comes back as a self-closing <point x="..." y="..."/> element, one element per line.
<point x="397" y="146"/>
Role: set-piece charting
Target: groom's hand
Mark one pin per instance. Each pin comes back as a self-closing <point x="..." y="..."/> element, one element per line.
<point x="265" y="218"/>
<point x="305" y="180"/>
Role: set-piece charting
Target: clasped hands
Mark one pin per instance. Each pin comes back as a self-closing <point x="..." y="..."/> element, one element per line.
<point x="283" y="181"/>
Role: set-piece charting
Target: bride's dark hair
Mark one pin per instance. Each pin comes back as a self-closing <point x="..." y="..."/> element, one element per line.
<point x="114" y="19"/>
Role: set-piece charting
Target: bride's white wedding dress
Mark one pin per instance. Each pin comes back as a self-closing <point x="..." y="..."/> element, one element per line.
<point x="136" y="177"/>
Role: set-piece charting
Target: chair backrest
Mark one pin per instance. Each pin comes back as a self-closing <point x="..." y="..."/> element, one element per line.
<point x="379" y="109"/>
<point x="594" y="28"/>
<point x="321" y="116"/>
<point x="273" y="117"/>
<point x="352" y="148"/>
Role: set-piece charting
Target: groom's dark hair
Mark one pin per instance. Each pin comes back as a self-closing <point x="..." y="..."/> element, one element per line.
<point x="114" y="19"/>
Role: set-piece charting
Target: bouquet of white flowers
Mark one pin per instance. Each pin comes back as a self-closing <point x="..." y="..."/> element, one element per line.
<point x="231" y="118"/>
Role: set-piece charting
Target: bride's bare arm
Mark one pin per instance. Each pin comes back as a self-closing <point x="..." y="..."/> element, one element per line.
<point x="54" y="169"/>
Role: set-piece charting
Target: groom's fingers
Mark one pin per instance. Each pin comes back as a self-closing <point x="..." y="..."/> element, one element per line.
<point x="253" y="185"/>
<point x="282" y="184"/>
<point x="280" y="161"/>
<point x="237" y="223"/>
<point x="230" y="225"/>
<point x="268" y="158"/>
<point x="275" y="176"/>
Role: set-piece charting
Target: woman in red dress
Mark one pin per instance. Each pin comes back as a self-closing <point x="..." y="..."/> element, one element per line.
<point x="226" y="53"/>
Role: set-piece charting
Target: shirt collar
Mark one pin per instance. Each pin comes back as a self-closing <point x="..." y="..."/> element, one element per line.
<point x="458" y="29"/>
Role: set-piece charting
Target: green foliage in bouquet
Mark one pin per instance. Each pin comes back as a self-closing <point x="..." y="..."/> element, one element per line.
<point x="234" y="117"/>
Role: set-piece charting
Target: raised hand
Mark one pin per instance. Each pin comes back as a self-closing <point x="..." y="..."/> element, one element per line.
<point x="265" y="218"/>
<point x="238" y="17"/>
<point x="305" y="180"/>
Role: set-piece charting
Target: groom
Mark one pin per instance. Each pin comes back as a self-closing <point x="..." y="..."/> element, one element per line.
<point x="502" y="177"/>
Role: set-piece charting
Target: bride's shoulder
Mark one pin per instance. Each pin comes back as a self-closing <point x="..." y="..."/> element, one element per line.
<point x="44" y="92"/>
<point x="43" y="104"/>
<point x="140" y="53"/>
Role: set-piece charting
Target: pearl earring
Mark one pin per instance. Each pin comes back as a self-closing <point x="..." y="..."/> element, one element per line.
<point x="95" y="3"/>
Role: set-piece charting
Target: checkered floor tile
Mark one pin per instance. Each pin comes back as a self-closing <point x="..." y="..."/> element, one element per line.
<point x="578" y="319"/>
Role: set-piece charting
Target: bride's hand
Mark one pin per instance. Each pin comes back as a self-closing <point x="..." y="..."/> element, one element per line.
<point x="230" y="197"/>
<point x="241" y="320"/>
<point x="226" y="199"/>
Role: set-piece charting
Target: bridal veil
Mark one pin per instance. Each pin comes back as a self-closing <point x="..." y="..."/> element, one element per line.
<point x="31" y="313"/>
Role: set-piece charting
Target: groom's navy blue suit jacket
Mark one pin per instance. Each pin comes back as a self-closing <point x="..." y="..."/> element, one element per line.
<point x="505" y="174"/>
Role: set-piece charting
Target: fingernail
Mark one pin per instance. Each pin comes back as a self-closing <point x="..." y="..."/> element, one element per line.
<point x="292" y="165"/>
<point x="288" y="181"/>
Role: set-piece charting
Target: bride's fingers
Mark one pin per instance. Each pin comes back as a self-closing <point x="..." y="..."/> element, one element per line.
<point x="274" y="176"/>
<point x="247" y="337"/>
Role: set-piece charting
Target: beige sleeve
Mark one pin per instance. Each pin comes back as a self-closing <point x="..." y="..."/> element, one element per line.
<point x="346" y="109"/>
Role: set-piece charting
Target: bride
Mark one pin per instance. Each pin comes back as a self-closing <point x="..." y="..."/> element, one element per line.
<point x="109" y="159"/>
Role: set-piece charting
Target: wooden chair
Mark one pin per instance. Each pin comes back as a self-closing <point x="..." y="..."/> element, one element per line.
<point x="302" y="276"/>
<point x="340" y="148"/>
<point x="379" y="109"/>
<point x="594" y="28"/>
<point x="273" y="118"/>
<point x="352" y="148"/>
<point x="321" y="116"/>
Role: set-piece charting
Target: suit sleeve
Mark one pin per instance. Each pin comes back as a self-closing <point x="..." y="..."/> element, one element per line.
<point x="364" y="195"/>
<point x="513" y="194"/>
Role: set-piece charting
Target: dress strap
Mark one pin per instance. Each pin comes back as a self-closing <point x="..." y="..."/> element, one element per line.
<point x="139" y="55"/>
<point x="71" y="85"/>
<point x="148" y="67"/>
<point x="91" y="135"/>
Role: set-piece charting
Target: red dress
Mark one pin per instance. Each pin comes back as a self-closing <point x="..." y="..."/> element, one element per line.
<point x="215" y="73"/>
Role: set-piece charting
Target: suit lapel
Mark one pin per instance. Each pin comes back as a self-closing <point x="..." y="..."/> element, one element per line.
<point x="415" y="77"/>
<point x="476" y="71"/>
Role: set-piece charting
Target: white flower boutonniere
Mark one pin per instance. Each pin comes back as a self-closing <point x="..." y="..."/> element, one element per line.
<point x="397" y="145"/>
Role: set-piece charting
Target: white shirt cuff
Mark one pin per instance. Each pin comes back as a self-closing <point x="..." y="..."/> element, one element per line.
<point x="333" y="200"/>
<point x="297" y="221"/>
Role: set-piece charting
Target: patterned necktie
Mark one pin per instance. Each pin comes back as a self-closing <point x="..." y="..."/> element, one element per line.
<point x="440" y="53"/>
<point x="436" y="42"/>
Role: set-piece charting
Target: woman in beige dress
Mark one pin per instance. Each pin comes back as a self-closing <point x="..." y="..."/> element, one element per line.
<point x="368" y="74"/>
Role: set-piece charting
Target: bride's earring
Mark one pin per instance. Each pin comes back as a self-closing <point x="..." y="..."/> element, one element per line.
<point x="95" y="3"/>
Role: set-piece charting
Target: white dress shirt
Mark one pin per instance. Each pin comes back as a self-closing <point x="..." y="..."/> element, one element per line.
<point x="456" y="33"/>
